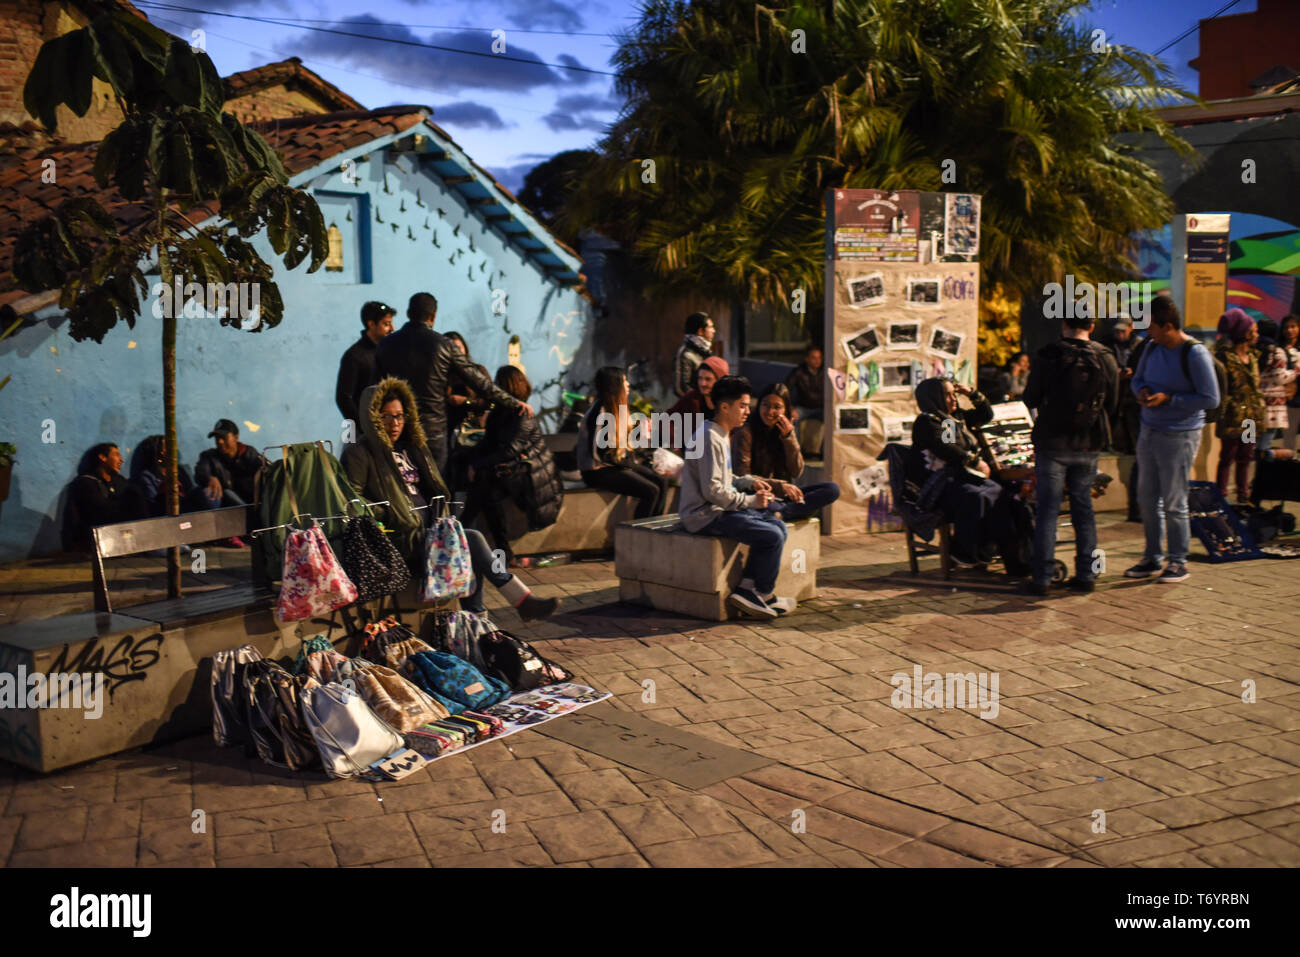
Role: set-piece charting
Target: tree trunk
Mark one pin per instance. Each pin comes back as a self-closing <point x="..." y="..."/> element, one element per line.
<point x="171" y="467"/>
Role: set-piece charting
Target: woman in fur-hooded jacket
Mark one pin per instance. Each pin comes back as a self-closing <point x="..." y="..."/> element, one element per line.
<point x="392" y="463"/>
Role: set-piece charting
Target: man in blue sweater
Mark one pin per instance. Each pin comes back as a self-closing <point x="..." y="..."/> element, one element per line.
<point x="1173" y="414"/>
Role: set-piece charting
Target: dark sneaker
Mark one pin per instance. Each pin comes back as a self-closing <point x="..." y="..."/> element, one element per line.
<point x="533" y="609"/>
<point x="1084" y="585"/>
<point x="1144" y="569"/>
<point x="748" y="600"/>
<point x="1035" y="588"/>
<point x="1174" y="572"/>
<point x="961" y="559"/>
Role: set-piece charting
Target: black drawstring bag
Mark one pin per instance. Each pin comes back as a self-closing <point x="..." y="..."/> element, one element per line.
<point x="371" y="561"/>
<point x="515" y="662"/>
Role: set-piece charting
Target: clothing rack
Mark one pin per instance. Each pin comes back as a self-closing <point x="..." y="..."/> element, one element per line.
<point x="328" y="442"/>
<point x="327" y="518"/>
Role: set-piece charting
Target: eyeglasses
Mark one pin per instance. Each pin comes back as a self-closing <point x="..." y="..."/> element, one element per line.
<point x="399" y="417"/>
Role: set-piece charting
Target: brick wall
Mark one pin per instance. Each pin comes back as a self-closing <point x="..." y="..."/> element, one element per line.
<point x="24" y="26"/>
<point x="277" y="102"/>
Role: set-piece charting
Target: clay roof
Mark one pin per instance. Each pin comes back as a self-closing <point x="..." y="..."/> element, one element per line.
<point x="303" y="142"/>
<point x="293" y="75"/>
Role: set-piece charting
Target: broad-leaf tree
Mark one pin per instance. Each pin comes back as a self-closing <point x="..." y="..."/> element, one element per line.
<point x="174" y="161"/>
<point x="751" y="111"/>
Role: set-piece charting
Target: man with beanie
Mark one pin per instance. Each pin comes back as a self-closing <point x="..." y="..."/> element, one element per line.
<point x="1173" y="413"/>
<point x="696" y="346"/>
<point x="357" y="368"/>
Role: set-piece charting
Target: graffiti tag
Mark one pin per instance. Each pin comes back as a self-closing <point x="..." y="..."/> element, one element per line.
<point x="129" y="660"/>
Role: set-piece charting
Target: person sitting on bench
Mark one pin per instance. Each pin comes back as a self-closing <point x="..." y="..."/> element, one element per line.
<point x="393" y="463"/>
<point x="716" y="502"/>
<point x="766" y="447"/>
<point x="985" y="514"/>
<point x="604" y="457"/>
<point x="228" y="473"/>
<point x="100" y="496"/>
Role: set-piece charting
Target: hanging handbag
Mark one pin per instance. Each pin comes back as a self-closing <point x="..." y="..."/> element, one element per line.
<point x="371" y="561"/>
<point x="229" y="702"/>
<point x="448" y="568"/>
<point x="348" y="734"/>
<point x="313" y="583"/>
<point x="515" y="662"/>
<point x="399" y="702"/>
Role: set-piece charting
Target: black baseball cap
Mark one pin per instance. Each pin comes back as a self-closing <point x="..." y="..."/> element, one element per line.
<point x="375" y="312"/>
<point x="222" y="427"/>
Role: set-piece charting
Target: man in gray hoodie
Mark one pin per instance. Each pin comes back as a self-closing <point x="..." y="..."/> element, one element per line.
<point x="716" y="502"/>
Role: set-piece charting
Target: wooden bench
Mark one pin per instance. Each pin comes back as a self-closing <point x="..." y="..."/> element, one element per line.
<point x="660" y="564"/>
<point x="169" y="531"/>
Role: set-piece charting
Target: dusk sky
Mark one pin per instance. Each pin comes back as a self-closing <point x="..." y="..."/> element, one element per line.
<point x="511" y="115"/>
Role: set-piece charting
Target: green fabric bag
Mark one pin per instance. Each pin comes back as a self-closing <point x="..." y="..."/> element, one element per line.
<point x="306" y="481"/>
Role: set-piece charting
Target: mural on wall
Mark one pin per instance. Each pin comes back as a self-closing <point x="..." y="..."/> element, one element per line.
<point x="1263" y="263"/>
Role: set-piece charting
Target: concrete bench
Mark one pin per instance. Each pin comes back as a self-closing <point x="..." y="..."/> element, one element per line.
<point x="586" y="523"/>
<point x="661" y="565"/>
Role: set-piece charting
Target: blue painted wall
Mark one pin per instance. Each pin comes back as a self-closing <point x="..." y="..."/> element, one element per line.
<point x="277" y="384"/>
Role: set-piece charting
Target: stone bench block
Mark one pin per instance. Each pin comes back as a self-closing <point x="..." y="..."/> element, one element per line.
<point x="586" y="523"/>
<point x="660" y="565"/>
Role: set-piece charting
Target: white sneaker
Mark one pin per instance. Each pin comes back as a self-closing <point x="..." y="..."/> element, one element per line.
<point x="782" y="606"/>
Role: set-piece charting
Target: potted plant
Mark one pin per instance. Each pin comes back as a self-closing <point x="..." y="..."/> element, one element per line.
<point x="7" y="452"/>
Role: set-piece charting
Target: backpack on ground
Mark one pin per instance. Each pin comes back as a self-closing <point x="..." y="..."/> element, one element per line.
<point x="1076" y="398"/>
<point x="1220" y="373"/>
<point x="349" y="735"/>
<point x="448" y="678"/>
<point x="275" y="716"/>
<point x="229" y="700"/>
<point x="517" y="663"/>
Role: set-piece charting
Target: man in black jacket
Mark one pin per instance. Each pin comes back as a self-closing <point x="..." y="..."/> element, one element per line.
<point x="227" y="473"/>
<point x="1074" y="385"/>
<point x="425" y="359"/>
<point x="100" y="497"/>
<point x="697" y="345"/>
<point x="357" y="369"/>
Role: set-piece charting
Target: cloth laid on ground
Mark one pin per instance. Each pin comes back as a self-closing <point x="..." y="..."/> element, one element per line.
<point x="1219" y="528"/>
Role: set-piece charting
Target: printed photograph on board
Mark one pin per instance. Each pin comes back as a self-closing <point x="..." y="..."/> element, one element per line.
<point x="868" y="290"/>
<point x="898" y="428"/>
<point x="897" y="377"/>
<point x="945" y="343"/>
<point x="862" y="344"/>
<point x="923" y="292"/>
<point x="904" y="334"/>
<point x="853" y="419"/>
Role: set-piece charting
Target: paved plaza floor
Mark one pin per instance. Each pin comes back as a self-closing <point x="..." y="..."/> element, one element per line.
<point x="1125" y="734"/>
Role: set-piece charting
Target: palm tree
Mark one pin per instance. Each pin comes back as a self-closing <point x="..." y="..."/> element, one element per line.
<point x="751" y="112"/>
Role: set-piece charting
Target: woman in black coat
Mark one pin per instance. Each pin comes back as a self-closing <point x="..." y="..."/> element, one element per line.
<point x="985" y="514"/>
<point x="512" y="462"/>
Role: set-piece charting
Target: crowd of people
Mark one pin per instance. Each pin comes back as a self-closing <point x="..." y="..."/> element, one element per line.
<point x="431" y="424"/>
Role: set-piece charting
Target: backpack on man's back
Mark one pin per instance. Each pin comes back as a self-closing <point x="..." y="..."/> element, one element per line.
<point x="1076" y="399"/>
<point x="1220" y="373"/>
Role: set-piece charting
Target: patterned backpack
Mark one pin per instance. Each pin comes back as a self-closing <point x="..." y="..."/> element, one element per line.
<point x="448" y="570"/>
<point x="449" y="678"/>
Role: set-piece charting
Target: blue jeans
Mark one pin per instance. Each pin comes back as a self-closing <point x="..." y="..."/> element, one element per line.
<point x="1165" y="462"/>
<point x="483" y="562"/>
<point x="815" y="497"/>
<point x="1075" y="472"/>
<point x="764" y="533"/>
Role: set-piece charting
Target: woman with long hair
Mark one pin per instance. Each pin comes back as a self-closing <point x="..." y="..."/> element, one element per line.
<point x="767" y="447"/>
<point x="605" y="457"/>
<point x="392" y="463"/>
<point x="512" y="463"/>
<point x="1243" y="402"/>
<point x="1288" y="340"/>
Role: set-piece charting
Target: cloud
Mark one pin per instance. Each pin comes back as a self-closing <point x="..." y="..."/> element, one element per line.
<point x="512" y="177"/>
<point x="542" y="14"/>
<point x="468" y="114"/>
<point x="578" y="76"/>
<point x="443" y="70"/>
<point x="574" y="112"/>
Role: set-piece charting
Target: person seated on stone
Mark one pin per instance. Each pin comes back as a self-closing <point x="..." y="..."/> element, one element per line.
<point x="716" y="501"/>
<point x="392" y="463"/>
<point x="512" y="463"/>
<point x="698" y="400"/>
<point x="985" y="514"/>
<point x="605" y="456"/>
<point x="148" y="468"/>
<point x="807" y="386"/>
<point x="227" y="473"/>
<point x="101" y="495"/>
<point x="767" y="447"/>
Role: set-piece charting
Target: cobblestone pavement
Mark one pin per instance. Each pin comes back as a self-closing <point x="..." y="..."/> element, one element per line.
<point x="1127" y="702"/>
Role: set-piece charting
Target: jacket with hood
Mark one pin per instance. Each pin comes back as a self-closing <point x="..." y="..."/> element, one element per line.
<point x="372" y="470"/>
<point x="928" y="436"/>
<point x="690" y="354"/>
<point x="514" y="456"/>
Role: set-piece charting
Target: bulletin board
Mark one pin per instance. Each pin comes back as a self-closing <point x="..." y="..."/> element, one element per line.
<point x="902" y="305"/>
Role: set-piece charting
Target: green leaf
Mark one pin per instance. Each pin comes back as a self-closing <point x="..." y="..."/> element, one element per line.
<point x="180" y="163"/>
<point x="214" y="90"/>
<point x="112" y="56"/>
<point x="80" y="77"/>
<point x="159" y="131"/>
<point x="182" y="76"/>
<point x="279" y="220"/>
<point x="149" y="42"/>
<point x="43" y="91"/>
